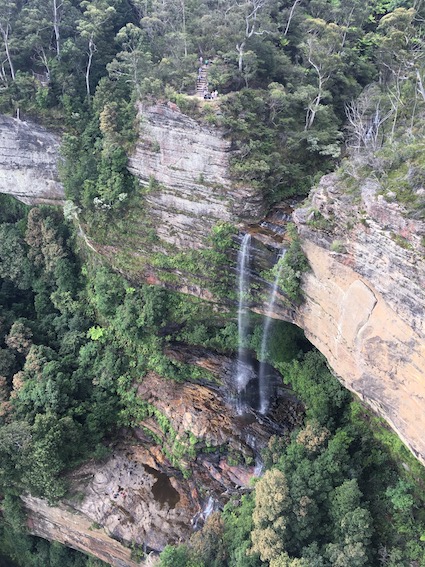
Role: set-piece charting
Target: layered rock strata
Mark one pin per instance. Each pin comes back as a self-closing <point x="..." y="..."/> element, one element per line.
<point x="29" y="156"/>
<point x="115" y="506"/>
<point x="60" y="523"/>
<point x="364" y="302"/>
<point x="187" y="167"/>
<point x="363" y="297"/>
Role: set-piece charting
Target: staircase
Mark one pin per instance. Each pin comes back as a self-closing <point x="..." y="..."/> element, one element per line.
<point x="202" y="81"/>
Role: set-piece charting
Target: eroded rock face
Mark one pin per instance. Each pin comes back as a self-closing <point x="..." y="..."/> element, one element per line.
<point x="363" y="309"/>
<point x="201" y="411"/>
<point x="121" y="496"/>
<point x="187" y="164"/>
<point x="28" y="163"/>
<point x="364" y="306"/>
<point x="62" y="524"/>
<point x="121" y="503"/>
<point x="364" y="300"/>
<point x="138" y="496"/>
<point x="134" y="498"/>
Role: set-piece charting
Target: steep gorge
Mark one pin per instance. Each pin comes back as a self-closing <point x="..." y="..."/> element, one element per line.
<point x="135" y="497"/>
<point x="363" y="307"/>
<point x="363" y="303"/>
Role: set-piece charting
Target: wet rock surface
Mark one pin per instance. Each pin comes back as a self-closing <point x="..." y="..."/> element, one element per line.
<point x="363" y="297"/>
<point x="208" y="415"/>
<point x="363" y="309"/>
<point x="140" y="495"/>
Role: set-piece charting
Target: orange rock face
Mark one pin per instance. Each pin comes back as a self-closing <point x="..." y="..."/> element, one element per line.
<point x="364" y="308"/>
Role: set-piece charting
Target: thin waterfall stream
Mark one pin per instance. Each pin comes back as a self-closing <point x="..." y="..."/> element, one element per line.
<point x="263" y="382"/>
<point x="246" y="365"/>
<point x="242" y="371"/>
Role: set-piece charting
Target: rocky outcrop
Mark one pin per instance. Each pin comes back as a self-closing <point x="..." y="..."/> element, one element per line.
<point x="60" y="523"/>
<point x="120" y="504"/>
<point x="140" y="497"/>
<point x="186" y="165"/>
<point x="364" y="302"/>
<point x="29" y="157"/>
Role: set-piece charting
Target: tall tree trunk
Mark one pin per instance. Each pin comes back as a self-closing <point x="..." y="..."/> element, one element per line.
<point x="5" y="34"/>
<point x="184" y="27"/>
<point x="56" y="18"/>
<point x="240" y="50"/>
<point x="291" y="15"/>
<point x="91" y="51"/>
<point x="420" y="88"/>
<point x="314" y="106"/>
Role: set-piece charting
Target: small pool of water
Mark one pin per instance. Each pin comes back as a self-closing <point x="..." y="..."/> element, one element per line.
<point x="163" y="491"/>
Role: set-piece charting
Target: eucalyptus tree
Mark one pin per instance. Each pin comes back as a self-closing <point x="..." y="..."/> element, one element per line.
<point x="35" y="31"/>
<point x="270" y="522"/>
<point x="400" y="52"/>
<point x="44" y="20"/>
<point x="322" y="48"/>
<point x="133" y="62"/>
<point x="96" y="16"/>
<point x="9" y="10"/>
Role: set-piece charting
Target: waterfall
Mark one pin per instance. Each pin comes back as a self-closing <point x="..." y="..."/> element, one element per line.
<point x="263" y="383"/>
<point x="209" y="508"/>
<point x="202" y="515"/>
<point x="259" y="467"/>
<point x="243" y="370"/>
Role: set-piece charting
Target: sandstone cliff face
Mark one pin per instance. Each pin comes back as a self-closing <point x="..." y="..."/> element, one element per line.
<point x="190" y="165"/>
<point x="62" y="524"/>
<point x="364" y="305"/>
<point x="121" y="504"/>
<point x="363" y="308"/>
<point x="28" y="163"/>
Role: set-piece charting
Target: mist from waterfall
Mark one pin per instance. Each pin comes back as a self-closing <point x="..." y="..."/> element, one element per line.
<point x="242" y="370"/>
<point x="263" y="382"/>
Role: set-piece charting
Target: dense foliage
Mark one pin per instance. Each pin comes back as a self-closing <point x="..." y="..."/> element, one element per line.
<point x="296" y="79"/>
<point x="287" y="73"/>
<point x="74" y="341"/>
